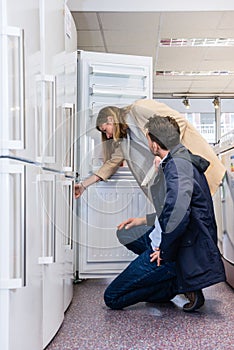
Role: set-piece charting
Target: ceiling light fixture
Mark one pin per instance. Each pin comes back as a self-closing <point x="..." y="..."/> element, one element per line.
<point x="205" y="42"/>
<point x="186" y="102"/>
<point x="194" y="73"/>
<point x="216" y="102"/>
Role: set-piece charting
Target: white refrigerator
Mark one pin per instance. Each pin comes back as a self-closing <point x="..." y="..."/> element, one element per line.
<point x="117" y="80"/>
<point x="37" y="109"/>
<point x="226" y="155"/>
<point x="224" y="205"/>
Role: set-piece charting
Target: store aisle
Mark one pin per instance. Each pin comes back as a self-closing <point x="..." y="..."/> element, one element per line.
<point x="90" y="325"/>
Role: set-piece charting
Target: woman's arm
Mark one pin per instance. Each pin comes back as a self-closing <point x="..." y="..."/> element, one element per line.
<point x="81" y="186"/>
<point x="111" y="165"/>
<point x="102" y="174"/>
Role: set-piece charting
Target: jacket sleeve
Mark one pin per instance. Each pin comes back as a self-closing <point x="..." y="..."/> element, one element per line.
<point x="111" y="165"/>
<point x="145" y="108"/>
<point x="150" y="219"/>
<point x="175" y="215"/>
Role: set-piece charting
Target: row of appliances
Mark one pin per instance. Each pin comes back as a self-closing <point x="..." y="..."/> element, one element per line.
<point x="50" y="97"/>
<point x="48" y="136"/>
<point x="38" y="104"/>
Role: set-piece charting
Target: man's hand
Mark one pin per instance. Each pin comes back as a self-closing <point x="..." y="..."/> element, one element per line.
<point x="155" y="256"/>
<point x="132" y="222"/>
<point x="156" y="162"/>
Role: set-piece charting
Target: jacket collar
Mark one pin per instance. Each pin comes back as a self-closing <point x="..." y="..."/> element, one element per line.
<point x="179" y="151"/>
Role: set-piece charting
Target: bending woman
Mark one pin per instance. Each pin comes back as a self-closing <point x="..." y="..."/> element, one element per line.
<point x="124" y="138"/>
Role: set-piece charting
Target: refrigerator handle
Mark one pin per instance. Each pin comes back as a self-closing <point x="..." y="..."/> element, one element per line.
<point x="71" y="216"/>
<point x="45" y="113"/>
<point x="70" y="107"/>
<point x="68" y="233"/>
<point x="14" y="275"/>
<point x="23" y="228"/>
<point x="16" y="108"/>
<point x="222" y="191"/>
<point x="48" y="238"/>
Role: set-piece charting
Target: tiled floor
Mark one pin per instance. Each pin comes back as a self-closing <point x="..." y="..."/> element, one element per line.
<point x="90" y="325"/>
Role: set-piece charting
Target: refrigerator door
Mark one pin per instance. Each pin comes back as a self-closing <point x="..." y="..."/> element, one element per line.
<point x="106" y="79"/>
<point x="219" y="217"/>
<point x="20" y="274"/>
<point x="228" y="206"/>
<point x="64" y="228"/>
<point x="20" y="52"/>
<point x="51" y="255"/>
<point x="107" y="204"/>
<point x="227" y="201"/>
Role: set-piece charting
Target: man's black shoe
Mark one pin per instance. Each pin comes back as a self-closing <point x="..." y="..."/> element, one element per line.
<point x="196" y="300"/>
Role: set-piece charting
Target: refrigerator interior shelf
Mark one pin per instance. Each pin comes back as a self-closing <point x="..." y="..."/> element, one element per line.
<point x="112" y="92"/>
<point x="119" y="73"/>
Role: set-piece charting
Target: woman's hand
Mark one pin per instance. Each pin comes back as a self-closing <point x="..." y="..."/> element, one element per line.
<point x="132" y="222"/>
<point x="78" y="190"/>
<point x="82" y="186"/>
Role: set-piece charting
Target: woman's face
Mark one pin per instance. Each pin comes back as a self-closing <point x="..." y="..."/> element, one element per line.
<point x="107" y="128"/>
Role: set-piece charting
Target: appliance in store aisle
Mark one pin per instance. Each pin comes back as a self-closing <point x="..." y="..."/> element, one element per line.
<point x="106" y="80"/>
<point x="38" y="105"/>
<point x="225" y="151"/>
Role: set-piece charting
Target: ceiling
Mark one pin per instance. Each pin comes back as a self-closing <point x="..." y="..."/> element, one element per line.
<point x="140" y="33"/>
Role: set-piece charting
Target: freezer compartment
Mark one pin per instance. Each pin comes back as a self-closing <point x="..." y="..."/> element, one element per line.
<point x="103" y="207"/>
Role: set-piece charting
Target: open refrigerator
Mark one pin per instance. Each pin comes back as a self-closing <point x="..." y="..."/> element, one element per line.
<point x="116" y="80"/>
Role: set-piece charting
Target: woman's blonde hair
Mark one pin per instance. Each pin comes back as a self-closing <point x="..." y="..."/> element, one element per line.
<point x="119" y="127"/>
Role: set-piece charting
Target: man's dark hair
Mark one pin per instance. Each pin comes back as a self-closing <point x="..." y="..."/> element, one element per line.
<point x="164" y="131"/>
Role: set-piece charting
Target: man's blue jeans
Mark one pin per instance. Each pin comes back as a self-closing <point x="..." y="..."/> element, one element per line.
<point x="141" y="280"/>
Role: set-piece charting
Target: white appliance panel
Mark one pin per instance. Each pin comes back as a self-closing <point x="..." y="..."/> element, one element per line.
<point x="228" y="206"/>
<point x="225" y="151"/>
<point x="219" y="217"/>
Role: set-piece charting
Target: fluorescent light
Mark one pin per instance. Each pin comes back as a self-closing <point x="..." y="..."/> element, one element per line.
<point x="194" y="42"/>
<point x="194" y="73"/>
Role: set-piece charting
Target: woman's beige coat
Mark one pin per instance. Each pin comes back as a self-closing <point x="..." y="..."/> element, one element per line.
<point x="140" y="112"/>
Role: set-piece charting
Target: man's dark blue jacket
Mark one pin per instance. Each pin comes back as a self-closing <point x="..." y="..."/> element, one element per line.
<point x="184" y="207"/>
